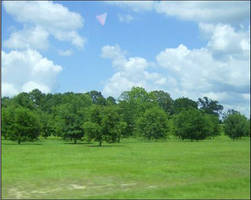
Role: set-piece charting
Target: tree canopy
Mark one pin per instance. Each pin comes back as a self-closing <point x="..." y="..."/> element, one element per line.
<point x="92" y="117"/>
<point x="236" y="125"/>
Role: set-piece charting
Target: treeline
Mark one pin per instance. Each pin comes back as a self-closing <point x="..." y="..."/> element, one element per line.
<point x="136" y="113"/>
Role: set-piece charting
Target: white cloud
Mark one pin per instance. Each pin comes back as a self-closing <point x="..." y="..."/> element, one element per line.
<point x="199" y="11"/>
<point x="188" y="72"/>
<point x="52" y="18"/>
<point x="224" y="40"/>
<point x="132" y="71"/>
<point x="199" y="74"/>
<point x="206" y="11"/>
<point x="136" y="6"/>
<point x="35" y="37"/>
<point x="26" y="70"/>
<point x="67" y="52"/>
<point x="8" y="89"/>
<point x="125" y="18"/>
<point x="31" y="85"/>
<point x="198" y="70"/>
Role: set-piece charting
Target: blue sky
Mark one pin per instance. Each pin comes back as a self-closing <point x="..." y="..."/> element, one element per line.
<point x="191" y="49"/>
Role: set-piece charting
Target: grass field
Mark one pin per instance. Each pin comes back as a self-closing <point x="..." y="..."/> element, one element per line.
<point x="52" y="168"/>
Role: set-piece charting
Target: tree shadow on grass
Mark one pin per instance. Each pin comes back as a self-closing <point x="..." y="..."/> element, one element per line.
<point x="107" y="145"/>
<point x="78" y="143"/>
<point x="22" y="144"/>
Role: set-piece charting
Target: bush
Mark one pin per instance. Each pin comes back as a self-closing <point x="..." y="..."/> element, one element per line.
<point x="236" y="125"/>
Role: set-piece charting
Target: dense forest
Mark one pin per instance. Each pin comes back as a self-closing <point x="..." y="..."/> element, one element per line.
<point x="136" y="113"/>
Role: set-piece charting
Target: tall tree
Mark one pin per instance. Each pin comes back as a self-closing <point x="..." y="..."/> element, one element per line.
<point x="210" y="106"/>
<point x="133" y="104"/>
<point x="163" y="99"/>
<point x="97" y="97"/>
<point x="110" y="101"/>
<point x="37" y="97"/>
<point x="23" y="100"/>
<point x="93" y="126"/>
<point x="71" y="115"/>
<point x="69" y="124"/>
<point x="112" y="124"/>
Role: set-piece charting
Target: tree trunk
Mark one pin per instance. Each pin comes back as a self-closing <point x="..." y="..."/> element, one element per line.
<point x="75" y="141"/>
<point x="19" y="141"/>
<point x="100" y="143"/>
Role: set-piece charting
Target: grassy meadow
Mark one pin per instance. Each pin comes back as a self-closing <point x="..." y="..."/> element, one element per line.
<point x="53" y="168"/>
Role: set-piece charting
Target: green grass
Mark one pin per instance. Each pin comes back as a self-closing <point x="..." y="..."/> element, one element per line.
<point x="218" y="168"/>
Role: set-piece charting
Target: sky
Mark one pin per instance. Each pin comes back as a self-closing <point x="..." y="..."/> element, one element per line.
<point x="188" y="49"/>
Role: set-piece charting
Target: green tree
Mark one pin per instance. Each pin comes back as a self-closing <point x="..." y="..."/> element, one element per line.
<point x="163" y="99"/>
<point x="97" y="97"/>
<point x="37" y="97"/>
<point x="193" y="124"/>
<point x="120" y="128"/>
<point x="23" y="100"/>
<point x="110" y="101"/>
<point x="128" y="114"/>
<point x="93" y="126"/>
<point x="214" y="122"/>
<point x="5" y="102"/>
<point x="112" y="125"/>
<point x="70" y="115"/>
<point x="133" y="104"/>
<point x="21" y="124"/>
<point x="236" y="125"/>
<point x="47" y="124"/>
<point x="153" y="124"/>
<point x="93" y="131"/>
<point x="7" y="120"/>
<point x="69" y="122"/>
<point x="183" y="103"/>
<point x="210" y="106"/>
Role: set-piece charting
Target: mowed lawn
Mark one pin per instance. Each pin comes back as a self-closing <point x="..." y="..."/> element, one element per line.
<point x="52" y="168"/>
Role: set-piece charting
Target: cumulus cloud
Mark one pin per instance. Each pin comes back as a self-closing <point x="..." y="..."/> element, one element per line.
<point x="125" y="18"/>
<point x="27" y="70"/>
<point x="199" y="11"/>
<point x="203" y="72"/>
<point x="27" y="38"/>
<point x="8" y="89"/>
<point x="51" y="18"/>
<point x="132" y="71"/>
<point x="197" y="70"/>
<point x="136" y="6"/>
<point x="206" y="11"/>
<point x="224" y="40"/>
<point x="190" y="72"/>
<point x="31" y="85"/>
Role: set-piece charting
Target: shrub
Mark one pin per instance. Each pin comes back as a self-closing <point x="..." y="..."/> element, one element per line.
<point x="236" y="125"/>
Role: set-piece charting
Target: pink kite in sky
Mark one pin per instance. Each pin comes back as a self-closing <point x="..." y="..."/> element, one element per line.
<point x="102" y="18"/>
